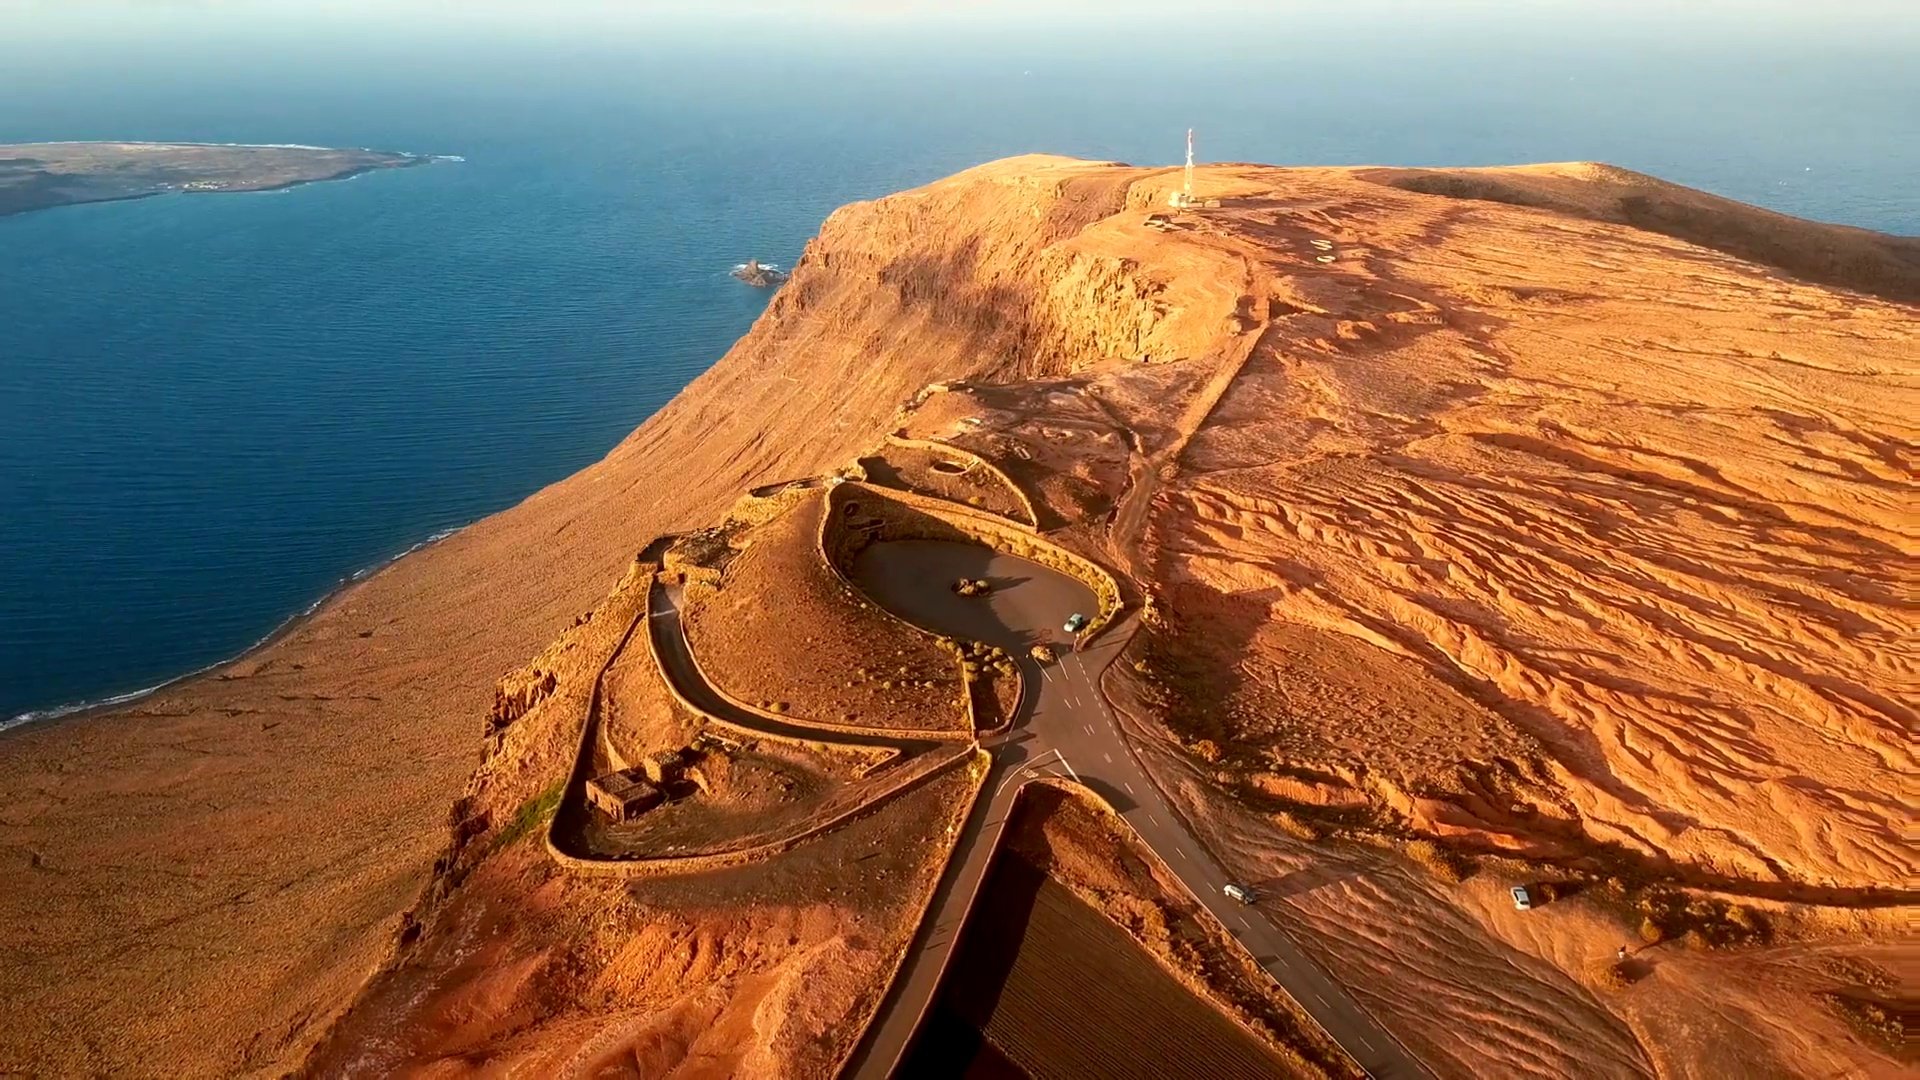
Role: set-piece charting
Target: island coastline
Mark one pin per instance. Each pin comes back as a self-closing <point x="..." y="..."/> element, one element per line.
<point x="44" y="176"/>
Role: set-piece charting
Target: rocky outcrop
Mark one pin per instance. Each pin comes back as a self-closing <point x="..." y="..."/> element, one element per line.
<point x="516" y="694"/>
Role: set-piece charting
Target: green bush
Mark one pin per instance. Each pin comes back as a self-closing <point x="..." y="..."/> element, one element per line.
<point x="532" y="813"/>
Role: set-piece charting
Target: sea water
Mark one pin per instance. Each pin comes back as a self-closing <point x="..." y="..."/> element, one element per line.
<point x="216" y="409"/>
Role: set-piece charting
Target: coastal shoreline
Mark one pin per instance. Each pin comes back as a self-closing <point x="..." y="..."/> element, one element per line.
<point x="411" y="161"/>
<point x="45" y="176"/>
<point x="52" y="714"/>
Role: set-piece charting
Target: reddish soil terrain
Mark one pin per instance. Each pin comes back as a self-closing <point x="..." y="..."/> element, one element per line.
<point x="1062" y="446"/>
<point x="943" y="476"/>
<point x="766" y="970"/>
<point x="639" y="715"/>
<point x="1558" y="512"/>
<point x="784" y="632"/>
<point x="737" y="786"/>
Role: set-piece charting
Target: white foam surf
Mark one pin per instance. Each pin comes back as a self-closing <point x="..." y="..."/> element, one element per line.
<point x="57" y="711"/>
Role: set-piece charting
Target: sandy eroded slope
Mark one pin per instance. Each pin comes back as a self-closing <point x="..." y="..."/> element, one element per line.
<point x="1536" y="529"/>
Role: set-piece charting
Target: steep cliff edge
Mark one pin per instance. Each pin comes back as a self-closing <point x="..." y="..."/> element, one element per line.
<point x="1516" y="527"/>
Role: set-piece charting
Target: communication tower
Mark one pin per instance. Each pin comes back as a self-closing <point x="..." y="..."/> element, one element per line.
<point x="1183" y="199"/>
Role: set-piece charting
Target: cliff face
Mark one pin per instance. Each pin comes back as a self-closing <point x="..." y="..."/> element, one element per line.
<point x="1536" y="529"/>
<point x="307" y="786"/>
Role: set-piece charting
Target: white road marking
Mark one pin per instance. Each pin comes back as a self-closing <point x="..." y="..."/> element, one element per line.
<point x="1151" y="818"/>
<point x="1364" y="1042"/>
<point x="1129" y="788"/>
<point x="1316" y="997"/>
<point x="1108" y="758"/>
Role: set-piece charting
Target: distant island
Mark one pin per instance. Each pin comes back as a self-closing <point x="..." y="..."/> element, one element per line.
<point x="36" y="176"/>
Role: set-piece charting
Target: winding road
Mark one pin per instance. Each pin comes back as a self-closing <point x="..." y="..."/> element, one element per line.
<point x="1064" y="727"/>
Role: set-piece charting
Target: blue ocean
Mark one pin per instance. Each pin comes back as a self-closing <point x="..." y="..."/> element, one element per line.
<point x="216" y="409"/>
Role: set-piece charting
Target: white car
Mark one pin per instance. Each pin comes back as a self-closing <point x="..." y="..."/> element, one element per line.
<point x="1239" y="892"/>
<point x="1522" y="899"/>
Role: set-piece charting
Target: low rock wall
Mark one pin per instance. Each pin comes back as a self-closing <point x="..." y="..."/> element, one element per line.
<point x="933" y="764"/>
<point x="903" y="515"/>
<point x="978" y="462"/>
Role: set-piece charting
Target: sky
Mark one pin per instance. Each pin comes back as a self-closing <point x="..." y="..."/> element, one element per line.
<point x="1200" y="17"/>
<point x="45" y="33"/>
<point x="1770" y="92"/>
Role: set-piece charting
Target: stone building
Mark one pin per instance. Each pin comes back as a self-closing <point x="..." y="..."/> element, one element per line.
<point x="623" y="795"/>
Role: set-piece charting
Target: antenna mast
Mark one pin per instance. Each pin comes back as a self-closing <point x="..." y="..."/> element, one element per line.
<point x="1187" y="187"/>
<point x="1183" y="199"/>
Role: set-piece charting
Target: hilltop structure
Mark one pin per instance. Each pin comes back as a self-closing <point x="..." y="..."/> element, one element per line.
<point x="1183" y="199"/>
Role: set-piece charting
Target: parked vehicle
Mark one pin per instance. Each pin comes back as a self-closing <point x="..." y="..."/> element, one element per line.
<point x="1240" y="893"/>
<point x="1522" y="899"/>
<point x="1076" y="622"/>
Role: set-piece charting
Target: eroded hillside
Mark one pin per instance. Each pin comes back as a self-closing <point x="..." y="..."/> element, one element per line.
<point x="1498" y="520"/>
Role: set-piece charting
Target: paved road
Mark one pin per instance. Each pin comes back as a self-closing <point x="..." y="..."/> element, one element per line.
<point x="1066" y="728"/>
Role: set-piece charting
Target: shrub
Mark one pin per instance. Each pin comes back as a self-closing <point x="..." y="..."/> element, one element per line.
<point x="1437" y="861"/>
<point x="1614" y="976"/>
<point x="1885" y="1023"/>
<point x="533" y="812"/>
<point x="1294" y="827"/>
<point x="1705" y="922"/>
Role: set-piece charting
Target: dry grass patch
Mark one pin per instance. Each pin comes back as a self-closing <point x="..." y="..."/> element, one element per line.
<point x="1881" y="1023"/>
<point x="1448" y="866"/>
